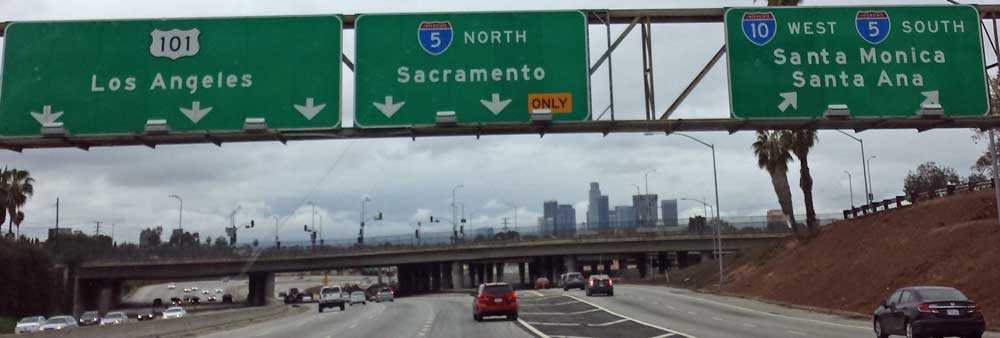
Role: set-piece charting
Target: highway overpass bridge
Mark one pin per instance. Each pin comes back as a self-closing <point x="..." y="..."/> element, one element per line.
<point x="422" y="269"/>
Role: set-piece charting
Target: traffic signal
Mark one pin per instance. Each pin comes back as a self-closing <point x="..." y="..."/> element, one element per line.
<point x="461" y="230"/>
<point x="432" y="219"/>
<point x="379" y="216"/>
<point x="418" y="233"/>
<point x="305" y="227"/>
<point x="463" y="221"/>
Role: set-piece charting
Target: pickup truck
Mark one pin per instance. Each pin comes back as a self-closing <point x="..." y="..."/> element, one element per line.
<point x="331" y="297"/>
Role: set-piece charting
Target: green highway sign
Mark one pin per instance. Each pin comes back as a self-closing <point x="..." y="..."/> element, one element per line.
<point x="118" y="77"/>
<point x="477" y="68"/>
<point x="861" y="61"/>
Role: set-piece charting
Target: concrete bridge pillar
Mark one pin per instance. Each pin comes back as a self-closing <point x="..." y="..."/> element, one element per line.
<point x="640" y="264"/>
<point x="457" y="281"/>
<point x="607" y="266"/>
<point x="434" y="270"/>
<point x="682" y="259"/>
<point x="481" y="274"/>
<point x="472" y="276"/>
<point x="662" y="262"/>
<point x="490" y="276"/>
<point x="593" y="269"/>
<point x="260" y="288"/>
<point x="520" y="272"/>
<point x="500" y="268"/>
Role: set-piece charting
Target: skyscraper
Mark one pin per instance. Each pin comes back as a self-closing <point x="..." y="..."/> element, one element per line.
<point x="668" y="209"/>
<point x="565" y="220"/>
<point x="624" y="217"/>
<point x="645" y="209"/>
<point x="549" y="210"/>
<point x="603" y="214"/>
<point x="592" y="202"/>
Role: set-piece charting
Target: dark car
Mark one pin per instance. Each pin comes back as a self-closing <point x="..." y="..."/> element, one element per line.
<point x="90" y="318"/>
<point x="146" y="314"/>
<point x="601" y="284"/>
<point x="494" y="299"/>
<point x="227" y="299"/>
<point x="572" y="280"/>
<point x="929" y="311"/>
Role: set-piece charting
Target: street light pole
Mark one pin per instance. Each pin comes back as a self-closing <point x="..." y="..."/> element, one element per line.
<point x="454" y="212"/>
<point x="864" y="169"/>
<point x="871" y="193"/>
<point x="850" y="184"/>
<point x="718" y="218"/>
<point x="637" y="193"/>
<point x="277" y="241"/>
<point x="180" y="212"/>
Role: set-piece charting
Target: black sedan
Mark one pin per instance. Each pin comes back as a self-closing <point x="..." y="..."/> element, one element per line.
<point x="929" y="311"/>
<point x="600" y="284"/>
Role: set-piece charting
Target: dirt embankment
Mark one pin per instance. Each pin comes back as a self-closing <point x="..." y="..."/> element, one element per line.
<point x="853" y="265"/>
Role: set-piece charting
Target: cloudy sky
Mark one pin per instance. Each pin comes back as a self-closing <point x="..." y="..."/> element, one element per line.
<point x="411" y="180"/>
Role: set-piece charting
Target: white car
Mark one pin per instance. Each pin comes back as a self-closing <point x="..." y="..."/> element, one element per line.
<point x="59" y="323"/>
<point x="113" y="318"/>
<point x="171" y="286"/>
<point x="204" y="292"/>
<point x="194" y="288"/>
<point x="29" y="324"/>
<point x="358" y="297"/>
<point x="174" y="312"/>
<point x="218" y="290"/>
<point x="187" y="289"/>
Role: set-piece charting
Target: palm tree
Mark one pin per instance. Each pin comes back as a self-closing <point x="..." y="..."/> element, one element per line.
<point x="771" y="149"/>
<point x="801" y="141"/>
<point x="18" y="186"/>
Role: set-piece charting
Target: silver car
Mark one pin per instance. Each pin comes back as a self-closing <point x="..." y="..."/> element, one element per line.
<point x="113" y="318"/>
<point x="59" y="323"/>
<point x="29" y="324"/>
<point x="174" y="312"/>
<point x="358" y="297"/>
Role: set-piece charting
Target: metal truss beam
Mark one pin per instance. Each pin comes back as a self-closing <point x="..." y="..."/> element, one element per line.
<point x="584" y="127"/>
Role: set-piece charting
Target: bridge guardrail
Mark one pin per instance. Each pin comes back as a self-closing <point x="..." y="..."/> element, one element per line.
<point x="898" y="202"/>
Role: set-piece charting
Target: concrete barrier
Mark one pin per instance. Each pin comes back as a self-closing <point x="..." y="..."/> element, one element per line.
<point x="188" y="325"/>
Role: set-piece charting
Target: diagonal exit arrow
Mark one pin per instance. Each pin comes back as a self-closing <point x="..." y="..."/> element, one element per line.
<point x="790" y="99"/>
<point x="495" y="106"/>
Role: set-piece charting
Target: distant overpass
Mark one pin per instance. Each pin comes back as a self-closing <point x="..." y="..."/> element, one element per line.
<point x="422" y="269"/>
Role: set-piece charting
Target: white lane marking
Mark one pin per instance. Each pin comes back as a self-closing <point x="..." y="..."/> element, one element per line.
<point x="664" y="335"/>
<point x="749" y="325"/>
<point x="553" y="324"/>
<point x="371" y="317"/>
<point x="692" y="313"/>
<point x="610" y="323"/>
<point x="797" y="333"/>
<point x="765" y="312"/>
<point x="570" y="337"/>
<point x="716" y="318"/>
<point x="532" y="329"/>
<point x="671" y="307"/>
<point x="352" y="326"/>
<point x="560" y="313"/>
<point x="633" y="319"/>
<point x="539" y="294"/>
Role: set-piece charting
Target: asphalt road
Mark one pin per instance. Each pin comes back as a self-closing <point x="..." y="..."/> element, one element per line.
<point x="445" y="316"/>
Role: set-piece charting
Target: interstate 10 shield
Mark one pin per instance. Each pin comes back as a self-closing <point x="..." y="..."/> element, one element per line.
<point x="759" y="28"/>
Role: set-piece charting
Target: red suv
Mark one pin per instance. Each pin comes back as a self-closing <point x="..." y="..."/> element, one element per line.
<point x="495" y="299"/>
